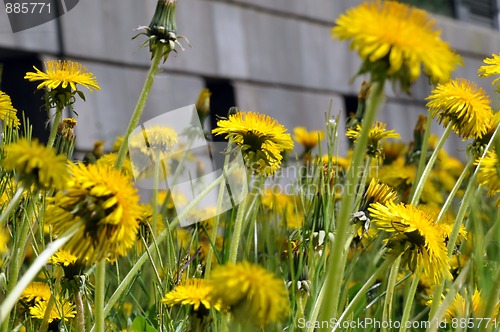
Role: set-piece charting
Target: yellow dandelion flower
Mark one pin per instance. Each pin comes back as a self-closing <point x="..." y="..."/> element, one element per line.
<point x="36" y="164"/>
<point x="398" y="40"/>
<point x="154" y="143"/>
<point x="375" y="135"/>
<point x="117" y="143"/>
<point x="309" y="139"/>
<point x="261" y="138"/>
<point x="195" y="293"/>
<point x="401" y="177"/>
<point x="474" y="306"/>
<point x="446" y="227"/>
<point x="479" y="143"/>
<point x="293" y="219"/>
<point x="204" y="243"/>
<point x="202" y="216"/>
<point x="252" y="293"/>
<point x="62" y="309"/>
<point x="489" y="173"/>
<point x="492" y="68"/>
<point x="4" y="241"/>
<point x="377" y="192"/>
<point x="175" y="199"/>
<point x="464" y="104"/>
<point x="155" y="139"/>
<point x="104" y="199"/>
<point x="63" y="258"/>
<point x="276" y="201"/>
<point x="335" y="161"/>
<point x="146" y="223"/>
<point x="109" y="159"/>
<point x="283" y="205"/>
<point x="393" y="150"/>
<point x="36" y="291"/>
<point x="60" y="74"/>
<point x="8" y="113"/>
<point x="413" y="233"/>
<point x="183" y="237"/>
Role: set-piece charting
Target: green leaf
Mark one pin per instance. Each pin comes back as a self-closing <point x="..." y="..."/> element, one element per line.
<point x="141" y="325"/>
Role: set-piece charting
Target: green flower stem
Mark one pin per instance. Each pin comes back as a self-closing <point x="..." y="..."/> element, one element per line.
<point x="215" y="228"/>
<point x="141" y="103"/>
<point x="11" y="206"/>
<point x="55" y="126"/>
<point x="335" y="269"/>
<point x="154" y="226"/>
<point x="100" y="289"/>
<point x="315" y="310"/>
<point x="362" y="184"/>
<point x="389" y="296"/>
<point x="427" y="171"/>
<point x="361" y="294"/>
<point x="32" y="272"/>
<point x="80" y="311"/>
<point x="423" y="154"/>
<point x="19" y="247"/>
<point x="453" y="192"/>
<point x="443" y="306"/>
<point x="466" y="200"/>
<point x="46" y="315"/>
<point x="494" y="293"/>
<point x="235" y="241"/>
<point x="410" y="296"/>
<point x="140" y="262"/>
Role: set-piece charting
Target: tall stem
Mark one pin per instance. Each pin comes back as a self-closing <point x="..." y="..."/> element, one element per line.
<point x="428" y="167"/>
<point x="46" y="315"/>
<point x="335" y="269"/>
<point x="32" y="271"/>
<point x="11" y="206"/>
<point x="19" y="249"/>
<point x="453" y="192"/>
<point x="410" y="296"/>
<point x="423" y="154"/>
<point x="215" y="227"/>
<point x="100" y="288"/>
<point x="233" y="249"/>
<point x="362" y="291"/>
<point x="466" y="200"/>
<point x="55" y="126"/>
<point x="80" y="311"/>
<point x="141" y="103"/>
<point x="389" y="296"/>
<point x="444" y="305"/>
<point x="140" y="262"/>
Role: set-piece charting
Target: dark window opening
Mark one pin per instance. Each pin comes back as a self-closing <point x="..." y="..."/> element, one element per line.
<point x="441" y="7"/>
<point x="222" y="98"/>
<point x="22" y="92"/>
<point x="351" y="105"/>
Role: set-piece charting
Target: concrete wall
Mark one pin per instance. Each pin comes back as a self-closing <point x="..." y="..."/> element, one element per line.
<point x="278" y="54"/>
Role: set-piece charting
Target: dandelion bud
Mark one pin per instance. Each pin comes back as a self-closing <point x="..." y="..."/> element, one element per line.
<point x="162" y="31"/>
<point x="203" y="104"/>
<point x="65" y="138"/>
